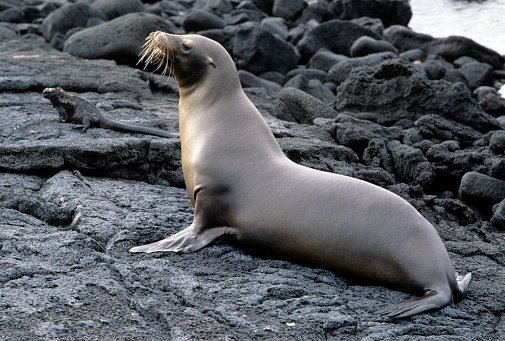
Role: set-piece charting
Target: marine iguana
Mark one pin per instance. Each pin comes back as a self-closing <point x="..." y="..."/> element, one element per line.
<point x="77" y="110"/>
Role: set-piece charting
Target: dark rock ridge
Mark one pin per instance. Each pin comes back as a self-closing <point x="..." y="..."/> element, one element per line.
<point x="417" y="115"/>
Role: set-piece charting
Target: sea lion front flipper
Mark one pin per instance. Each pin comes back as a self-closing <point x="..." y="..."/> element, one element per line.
<point x="432" y="299"/>
<point x="187" y="240"/>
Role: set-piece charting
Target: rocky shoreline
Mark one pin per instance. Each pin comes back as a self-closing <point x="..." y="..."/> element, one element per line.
<point x="345" y="88"/>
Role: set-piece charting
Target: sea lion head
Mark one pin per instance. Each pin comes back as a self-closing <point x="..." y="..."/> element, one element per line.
<point x="190" y="58"/>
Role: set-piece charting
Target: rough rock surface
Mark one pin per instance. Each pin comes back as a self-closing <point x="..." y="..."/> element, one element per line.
<point x="120" y="39"/>
<point x="425" y="140"/>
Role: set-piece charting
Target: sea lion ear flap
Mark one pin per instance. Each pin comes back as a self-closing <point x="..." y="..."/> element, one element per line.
<point x="211" y="63"/>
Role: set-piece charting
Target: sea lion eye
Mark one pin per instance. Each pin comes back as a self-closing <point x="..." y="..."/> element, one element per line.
<point x="185" y="47"/>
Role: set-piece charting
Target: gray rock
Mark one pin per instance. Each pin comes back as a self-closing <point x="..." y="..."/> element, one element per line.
<point x="241" y="16"/>
<point x="454" y="47"/>
<point x="275" y="26"/>
<point x="391" y="12"/>
<point x="477" y="74"/>
<point x="414" y="55"/>
<point x="313" y="87"/>
<point x="367" y="45"/>
<point x="356" y="134"/>
<point x="451" y="48"/>
<point x="113" y="9"/>
<point x="217" y="6"/>
<point x="395" y="91"/>
<point x="6" y="33"/>
<point x="120" y="39"/>
<point x="44" y="67"/>
<point x="325" y="59"/>
<point x="316" y="11"/>
<point x="481" y="190"/>
<point x="372" y="24"/>
<point x="436" y="129"/>
<point x="309" y="73"/>
<point x="497" y="142"/>
<point x="69" y="16"/>
<point x="200" y="20"/>
<point x="297" y="106"/>
<point x="335" y="35"/>
<point x="376" y="154"/>
<point x="450" y="162"/>
<point x="13" y="15"/>
<point x="498" y="218"/>
<point x="411" y="166"/>
<point x="490" y="100"/>
<point x="257" y="51"/>
<point x="249" y="80"/>
<point x="340" y="71"/>
<point x="434" y="69"/>
<point x="288" y="9"/>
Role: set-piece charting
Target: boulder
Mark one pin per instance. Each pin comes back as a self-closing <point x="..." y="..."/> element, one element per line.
<point x="376" y="154"/>
<point x="297" y="106"/>
<point x="257" y="50"/>
<point x="391" y="12"/>
<point x="69" y="16"/>
<point x="120" y="39"/>
<point x="335" y="35"/>
<point x="249" y="80"/>
<point x="490" y="100"/>
<point x="275" y="26"/>
<point x="317" y="11"/>
<point x="313" y="87"/>
<point x="434" y="69"/>
<point x="340" y="71"/>
<point x="411" y="166"/>
<point x="414" y="55"/>
<point x="288" y="9"/>
<point x="481" y="190"/>
<point x="453" y="47"/>
<point x="450" y="162"/>
<point x="216" y="6"/>
<point x="498" y="218"/>
<point x="394" y="91"/>
<point x="437" y="129"/>
<point x="366" y="45"/>
<point x="477" y="74"/>
<point x="497" y="142"/>
<point x="372" y="24"/>
<point x="325" y="59"/>
<point x="113" y="9"/>
<point x="356" y="134"/>
<point x="200" y="20"/>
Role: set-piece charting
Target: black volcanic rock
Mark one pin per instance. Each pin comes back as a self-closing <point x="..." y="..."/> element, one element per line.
<point x="335" y="35"/>
<point x="391" y="12"/>
<point x="120" y="39"/>
<point x="396" y="91"/>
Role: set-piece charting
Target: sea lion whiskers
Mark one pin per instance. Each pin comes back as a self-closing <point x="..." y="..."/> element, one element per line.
<point x="156" y="53"/>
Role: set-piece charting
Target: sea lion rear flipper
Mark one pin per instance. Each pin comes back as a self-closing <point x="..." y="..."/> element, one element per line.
<point x="432" y="299"/>
<point x="187" y="240"/>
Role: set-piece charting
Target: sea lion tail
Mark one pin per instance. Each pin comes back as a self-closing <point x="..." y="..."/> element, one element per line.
<point x="432" y="299"/>
<point x="462" y="289"/>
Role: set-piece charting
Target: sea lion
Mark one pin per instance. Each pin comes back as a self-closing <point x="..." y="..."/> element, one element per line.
<point x="242" y="185"/>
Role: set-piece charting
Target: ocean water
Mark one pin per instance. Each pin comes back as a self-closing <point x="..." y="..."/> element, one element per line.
<point x="483" y="21"/>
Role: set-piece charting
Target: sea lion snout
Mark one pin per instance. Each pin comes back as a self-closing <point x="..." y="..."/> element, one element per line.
<point x="158" y="50"/>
